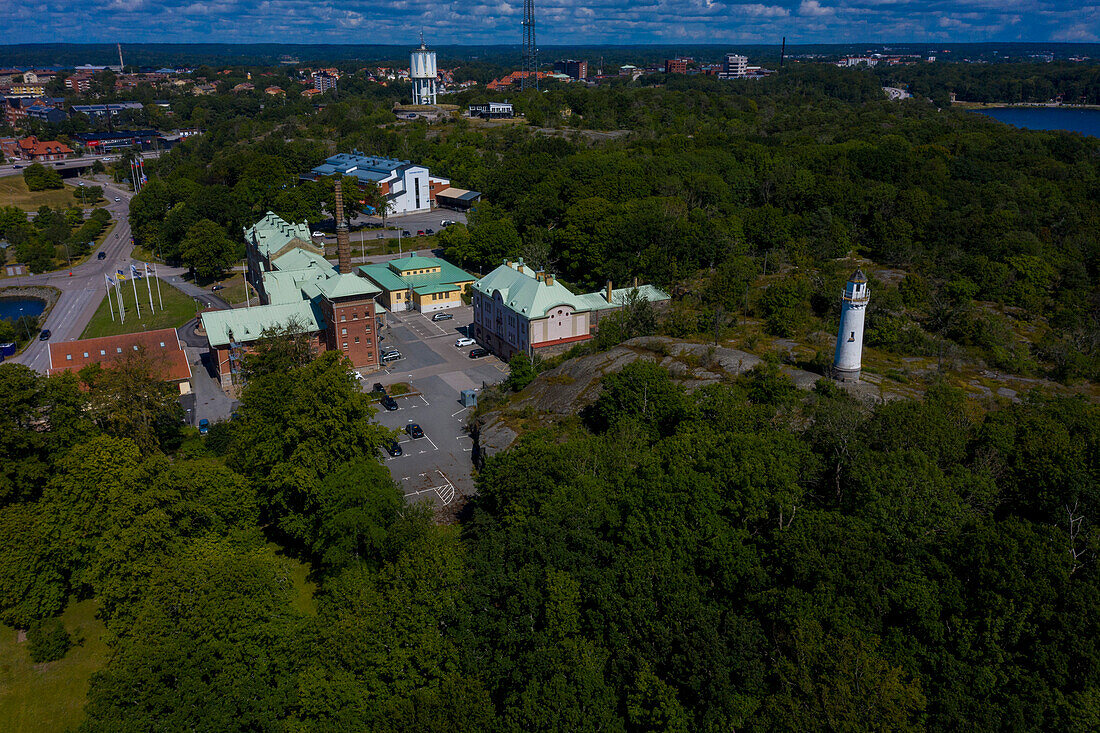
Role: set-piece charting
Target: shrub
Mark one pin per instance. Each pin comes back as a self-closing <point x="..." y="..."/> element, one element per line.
<point x="49" y="641"/>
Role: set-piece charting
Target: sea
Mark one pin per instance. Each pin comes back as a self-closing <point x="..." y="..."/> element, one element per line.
<point x="10" y="307"/>
<point x="1084" y="121"/>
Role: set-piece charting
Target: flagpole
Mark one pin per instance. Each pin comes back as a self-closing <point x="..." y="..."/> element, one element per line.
<point x="149" y="287"/>
<point x="118" y="297"/>
<point x="107" y="285"/>
<point x="133" y="281"/>
<point x="157" y="278"/>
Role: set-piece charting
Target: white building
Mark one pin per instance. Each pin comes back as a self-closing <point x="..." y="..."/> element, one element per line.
<point x="848" y="359"/>
<point x="423" y="73"/>
<point x="406" y="186"/>
<point x="735" y="66"/>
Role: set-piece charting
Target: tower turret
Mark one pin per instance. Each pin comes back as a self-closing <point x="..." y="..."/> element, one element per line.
<point x="848" y="360"/>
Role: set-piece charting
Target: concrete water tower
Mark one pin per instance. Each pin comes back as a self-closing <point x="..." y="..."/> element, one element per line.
<point x="848" y="359"/>
<point x="422" y="72"/>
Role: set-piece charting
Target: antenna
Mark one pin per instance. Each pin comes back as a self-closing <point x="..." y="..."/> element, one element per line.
<point x="121" y="66"/>
<point x="530" y="52"/>
<point x="783" y="51"/>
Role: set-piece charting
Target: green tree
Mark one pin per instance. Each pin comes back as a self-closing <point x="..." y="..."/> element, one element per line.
<point x="40" y="178"/>
<point x="520" y="372"/>
<point x="207" y="250"/>
<point x="48" y="640"/>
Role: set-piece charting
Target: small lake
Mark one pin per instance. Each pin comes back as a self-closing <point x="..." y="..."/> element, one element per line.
<point x="12" y="308"/>
<point x="1084" y="121"/>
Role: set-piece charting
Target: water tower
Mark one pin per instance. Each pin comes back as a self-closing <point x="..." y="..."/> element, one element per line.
<point x="422" y="72"/>
<point x="849" y="339"/>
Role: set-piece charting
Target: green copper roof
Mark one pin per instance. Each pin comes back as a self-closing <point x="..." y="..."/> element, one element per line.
<point x="347" y="285"/>
<point x="248" y="324"/>
<point x="429" y="289"/>
<point x="386" y="278"/>
<point x="271" y="233"/>
<point x="525" y="295"/>
<point x="300" y="259"/>
<point x="404" y="264"/>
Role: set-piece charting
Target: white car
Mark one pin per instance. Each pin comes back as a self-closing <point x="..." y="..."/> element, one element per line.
<point x="318" y="234"/>
<point x="465" y="341"/>
<point x="117" y="199"/>
<point x="358" y="375"/>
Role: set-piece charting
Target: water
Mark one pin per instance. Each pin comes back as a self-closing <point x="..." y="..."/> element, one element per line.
<point x="10" y="307"/>
<point x="1084" y="121"/>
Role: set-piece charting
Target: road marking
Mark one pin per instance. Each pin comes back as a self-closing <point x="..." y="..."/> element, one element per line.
<point x="433" y="444"/>
<point x="426" y="403"/>
<point x="460" y="411"/>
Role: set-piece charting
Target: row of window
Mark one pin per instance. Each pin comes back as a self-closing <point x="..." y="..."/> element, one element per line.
<point x="344" y="331"/>
<point x="102" y="352"/>
<point x="354" y="316"/>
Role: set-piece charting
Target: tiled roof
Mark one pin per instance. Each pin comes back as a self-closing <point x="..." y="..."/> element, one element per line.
<point x="162" y="345"/>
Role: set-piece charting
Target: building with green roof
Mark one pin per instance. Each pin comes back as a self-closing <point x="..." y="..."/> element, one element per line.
<point x="517" y="309"/>
<point x="425" y="284"/>
<point x="299" y="289"/>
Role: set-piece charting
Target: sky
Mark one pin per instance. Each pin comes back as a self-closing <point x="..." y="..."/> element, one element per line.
<point x="489" y="22"/>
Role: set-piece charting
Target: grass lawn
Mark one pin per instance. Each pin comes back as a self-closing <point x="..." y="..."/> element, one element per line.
<point x="233" y="292"/>
<point x="178" y="310"/>
<point x="50" y="696"/>
<point x="13" y="192"/>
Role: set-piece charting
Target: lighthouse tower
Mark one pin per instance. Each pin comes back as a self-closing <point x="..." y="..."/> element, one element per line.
<point x="849" y="339"/>
<point x="422" y="72"/>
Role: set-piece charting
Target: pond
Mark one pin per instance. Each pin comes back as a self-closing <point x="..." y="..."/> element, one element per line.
<point x="13" y="308"/>
<point x="1084" y="121"/>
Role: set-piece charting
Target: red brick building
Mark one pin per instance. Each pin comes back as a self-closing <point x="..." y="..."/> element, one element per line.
<point x="162" y="347"/>
<point x="31" y="148"/>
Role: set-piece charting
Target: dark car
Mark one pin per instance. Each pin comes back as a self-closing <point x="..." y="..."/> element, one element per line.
<point x="216" y="288"/>
<point x="379" y="388"/>
<point x="478" y="353"/>
<point x="17" y="167"/>
<point x="101" y="256"/>
<point x="204" y="426"/>
<point x="389" y="403"/>
<point x="393" y="448"/>
<point x="442" y="316"/>
<point x="429" y="231"/>
<point x="406" y="233"/>
<point x="414" y="431"/>
<point x="45" y="335"/>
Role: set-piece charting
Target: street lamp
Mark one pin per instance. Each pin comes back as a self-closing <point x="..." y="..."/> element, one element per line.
<point x="25" y="326"/>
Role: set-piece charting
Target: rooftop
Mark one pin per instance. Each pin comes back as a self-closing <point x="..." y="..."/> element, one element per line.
<point x="272" y="233"/>
<point x="162" y="345"/>
<point x="363" y="167"/>
<point x="393" y="275"/>
<point x="248" y="324"/>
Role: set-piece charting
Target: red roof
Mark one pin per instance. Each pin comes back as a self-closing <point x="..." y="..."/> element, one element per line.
<point x="163" y="345"/>
<point x="33" y="147"/>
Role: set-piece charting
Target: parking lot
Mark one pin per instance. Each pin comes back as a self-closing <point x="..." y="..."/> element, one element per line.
<point x="436" y="467"/>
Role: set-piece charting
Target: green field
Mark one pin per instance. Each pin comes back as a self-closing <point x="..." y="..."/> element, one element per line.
<point x="178" y="310"/>
<point x="13" y="192"/>
<point x="50" y="697"/>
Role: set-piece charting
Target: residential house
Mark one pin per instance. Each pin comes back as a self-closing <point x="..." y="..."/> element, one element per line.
<point x="162" y="347"/>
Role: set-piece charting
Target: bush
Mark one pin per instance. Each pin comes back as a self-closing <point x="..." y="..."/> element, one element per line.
<point x="49" y="641"/>
<point x="40" y="178"/>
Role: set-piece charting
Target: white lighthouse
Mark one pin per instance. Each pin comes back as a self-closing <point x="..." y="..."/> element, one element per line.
<point x="422" y="72"/>
<point x="849" y="339"/>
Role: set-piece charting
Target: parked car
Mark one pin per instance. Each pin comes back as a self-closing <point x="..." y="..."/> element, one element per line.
<point x="358" y="375"/>
<point x="318" y="234"/>
<point x="414" y="431"/>
<point x="446" y="222"/>
<point x="393" y="448"/>
<point x="478" y="353"/>
<point x="204" y="426"/>
<point x="216" y="288"/>
<point x="391" y="356"/>
<point x="420" y="232"/>
<point x="17" y="167"/>
<point x="465" y="341"/>
<point x="429" y="231"/>
<point x="117" y="199"/>
<point x="101" y="256"/>
<point x="379" y="388"/>
<point x="389" y="403"/>
<point x="406" y="233"/>
<point x="443" y="316"/>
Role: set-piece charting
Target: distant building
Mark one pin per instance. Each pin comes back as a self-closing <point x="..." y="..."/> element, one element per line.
<point x="735" y="66"/>
<point x="31" y="148"/>
<point x="162" y="347"/>
<point x="274" y="91"/>
<point x="572" y="68"/>
<point x="519" y="310"/>
<point x="100" y="111"/>
<point x="17" y="109"/>
<point x="848" y="357"/>
<point x="677" y="66"/>
<point x="35" y="90"/>
<point x="101" y="142"/>
<point x="458" y="199"/>
<point x="323" y="81"/>
<point x="492" y="110"/>
<point x="298" y="287"/>
<point x="245" y="86"/>
<point x="423" y="72"/>
<point x="407" y="187"/>
<point x="80" y="82"/>
<point x="508" y="80"/>
<point x="425" y="284"/>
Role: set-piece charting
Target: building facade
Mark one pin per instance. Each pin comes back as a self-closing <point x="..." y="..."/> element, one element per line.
<point x="520" y="310"/>
<point x="423" y="73"/>
<point x="677" y="66"/>
<point x="406" y="186"/>
<point x="492" y="110"/>
<point x="162" y="347"/>
<point x="31" y="148"/>
<point x="735" y="66"/>
<point x="572" y="68"/>
<point x="425" y="284"/>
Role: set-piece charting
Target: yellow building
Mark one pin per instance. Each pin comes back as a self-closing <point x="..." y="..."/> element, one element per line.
<point x="425" y="284"/>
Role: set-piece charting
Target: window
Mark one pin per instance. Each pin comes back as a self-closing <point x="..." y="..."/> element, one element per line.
<point x="852" y="337"/>
<point x="343" y="332"/>
<point x="356" y="339"/>
<point x="119" y="349"/>
<point x="345" y="346"/>
<point x="355" y="316"/>
<point x="135" y="347"/>
<point x="343" y="317"/>
<point x="162" y="344"/>
<point x="68" y="357"/>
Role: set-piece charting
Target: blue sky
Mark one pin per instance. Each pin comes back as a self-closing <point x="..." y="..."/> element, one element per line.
<point x="558" y="21"/>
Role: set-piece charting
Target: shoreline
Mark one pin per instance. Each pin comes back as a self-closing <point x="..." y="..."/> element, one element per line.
<point x="1021" y="105"/>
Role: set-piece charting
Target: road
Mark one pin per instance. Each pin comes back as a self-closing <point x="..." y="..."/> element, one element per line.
<point x="16" y="168"/>
<point x="82" y="291"/>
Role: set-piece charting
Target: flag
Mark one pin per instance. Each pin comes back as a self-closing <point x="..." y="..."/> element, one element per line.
<point x="110" y="280"/>
<point x="133" y="268"/>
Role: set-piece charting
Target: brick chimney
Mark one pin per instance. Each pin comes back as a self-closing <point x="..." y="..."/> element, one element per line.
<point x="540" y="276"/>
<point x="549" y="279"/>
<point x="607" y="295"/>
<point x="635" y="282"/>
<point x="343" y="244"/>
